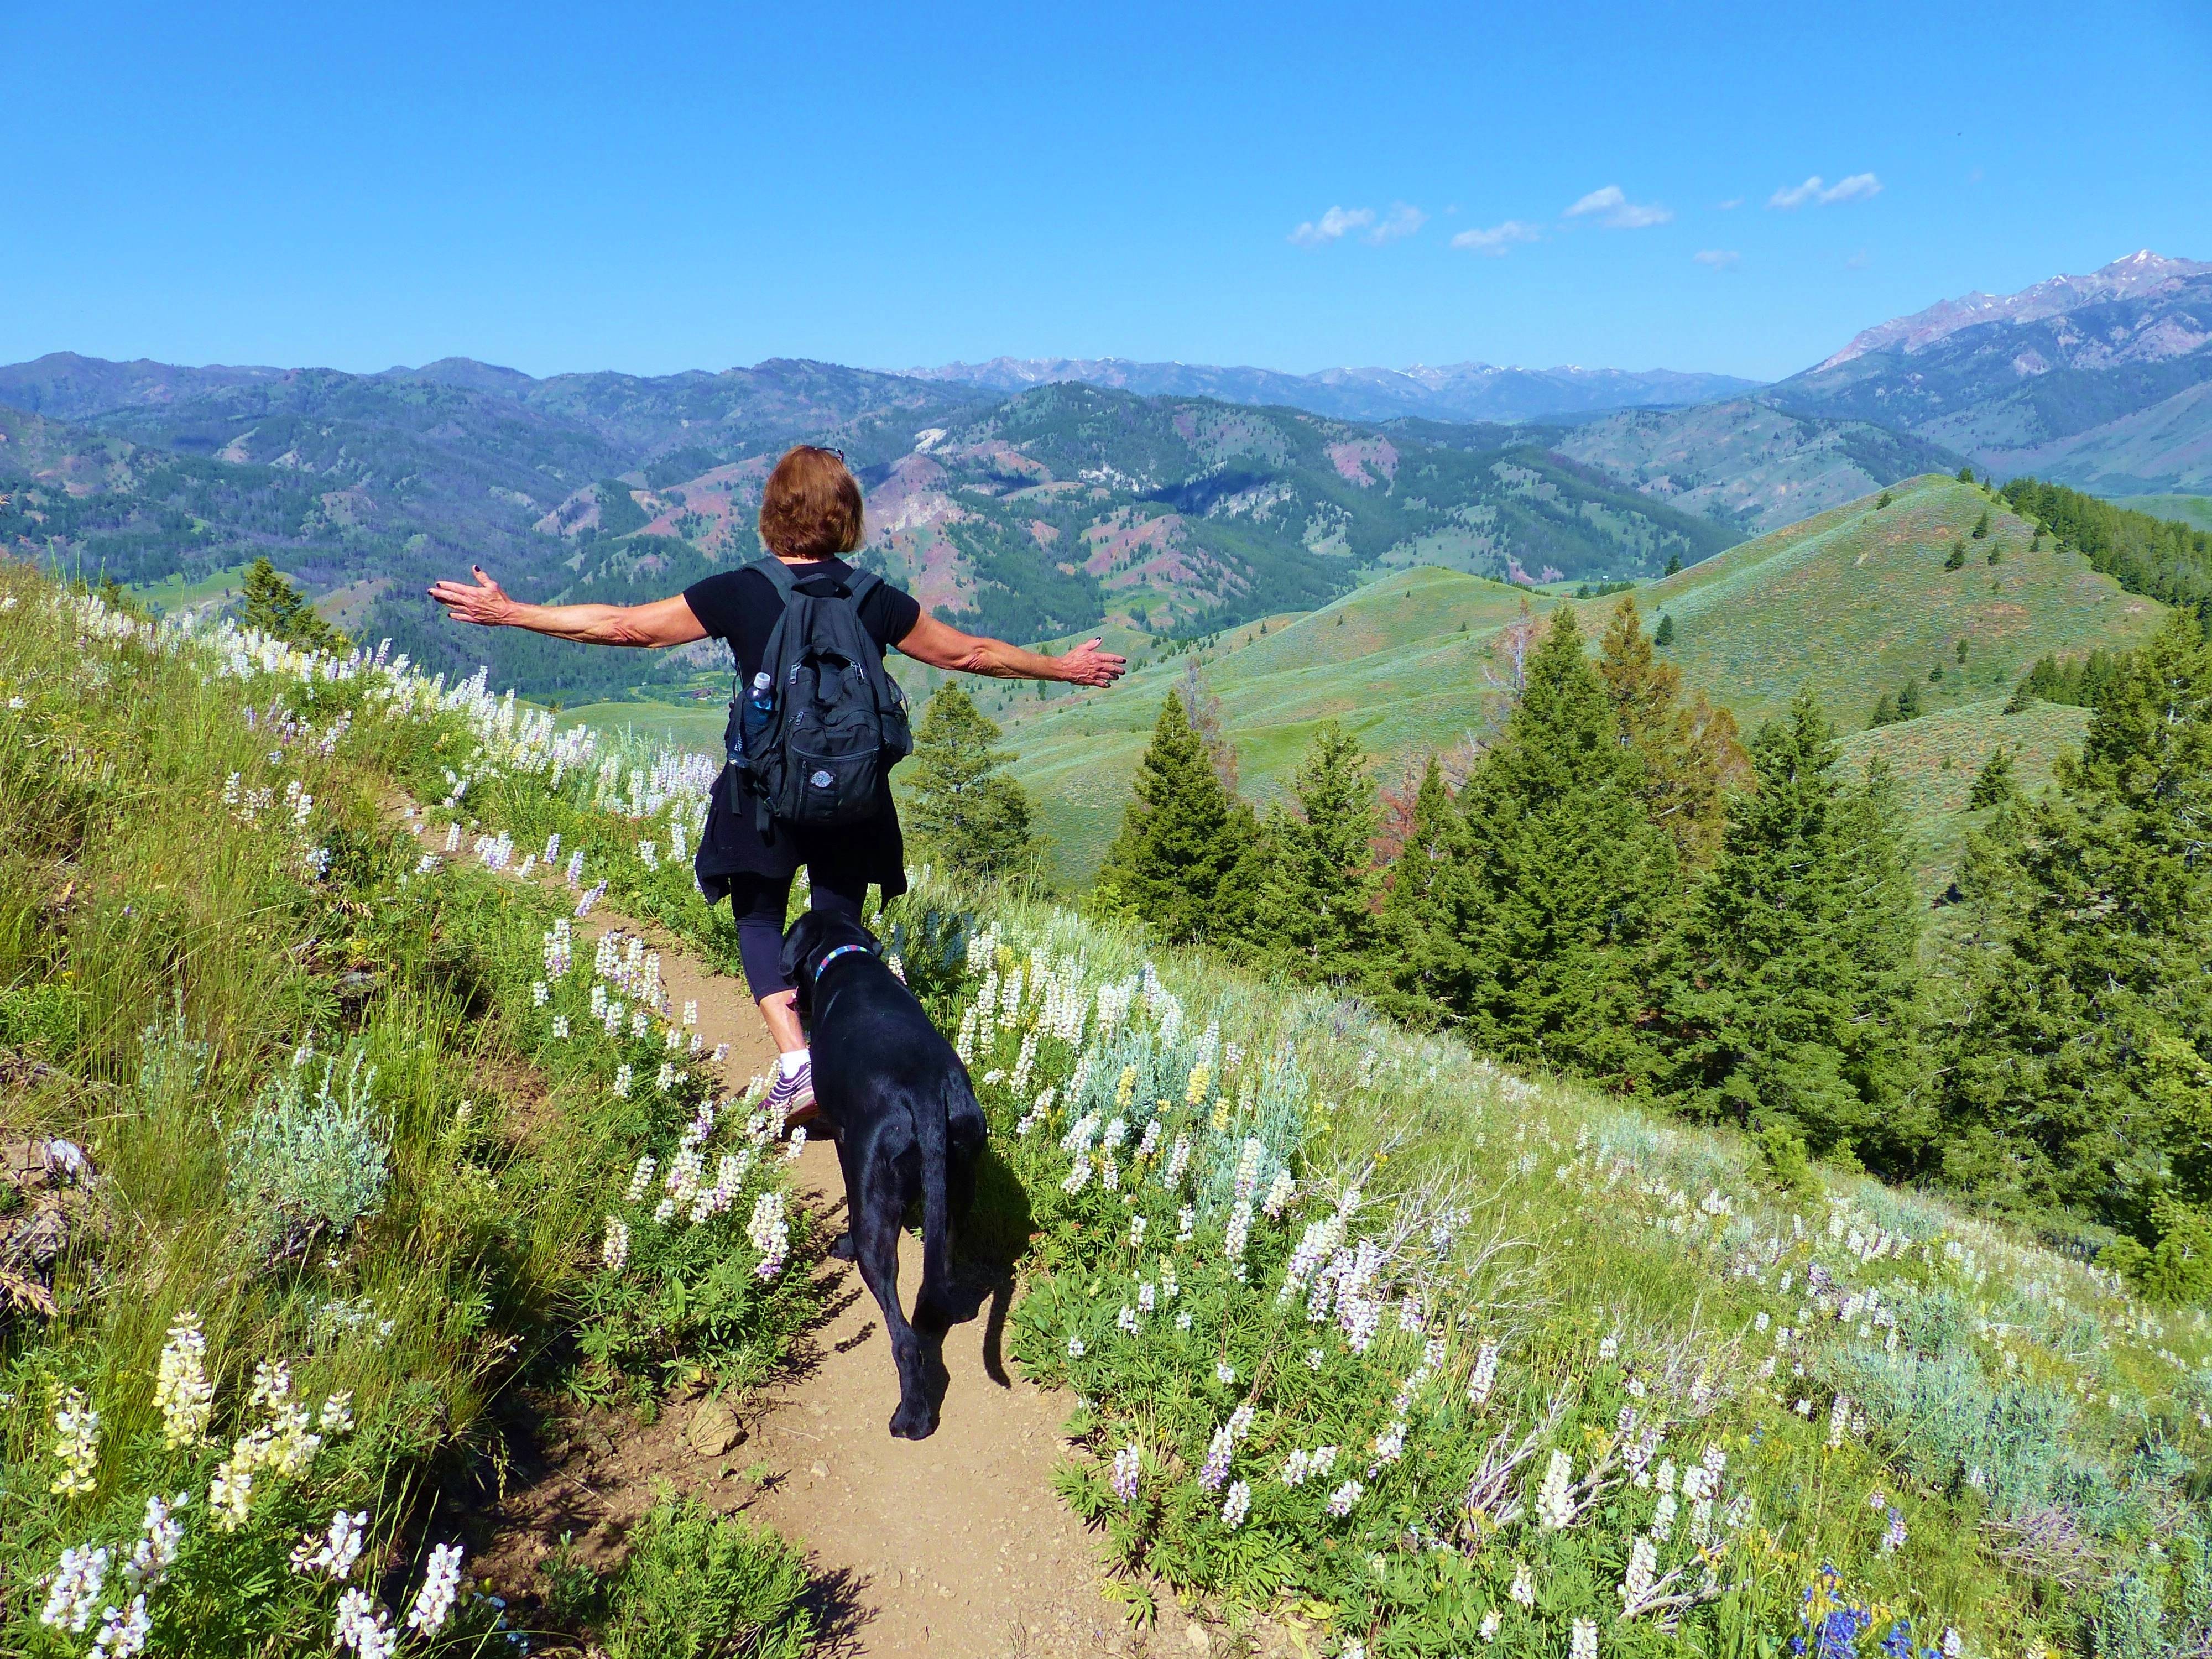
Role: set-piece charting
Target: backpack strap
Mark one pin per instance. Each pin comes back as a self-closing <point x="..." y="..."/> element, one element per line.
<point x="779" y="575"/>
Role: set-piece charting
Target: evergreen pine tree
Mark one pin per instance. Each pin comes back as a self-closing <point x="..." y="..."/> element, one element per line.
<point x="1908" y="702"/>
<point x="1316" y="906"/>
<point x="2079" y="1068"/>
<point x="1994" y="782"/>
<point x="1673" y="564"/>
<point x="1405" y="972"/>
<point x="1182" y="837"/>
<point x="1665" y="636"/>
<point x="1793" y="999"/>
<point x="1689" y="752"/>
<point x="960" y="806"/>
<point x="1548" y="923"/>
<point x="279" y="609"/>
<point x="1957" y="558"/>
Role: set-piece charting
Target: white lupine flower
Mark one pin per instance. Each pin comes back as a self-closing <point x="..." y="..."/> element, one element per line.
<point x="434" y="1600"/>
<point x="1236" y="1506"/>
<point x="1126" y="1319"/>
<point x="336" y="1416"/>
<point x="614" y="1250"/>
<point x="1178" y="1161"/>
<point x="1555" y="1503"/>
<point x="623" y="1075"/>
<point x="124" y="1632"/>
<point x="1662" y="1517"/>
<point x="1223" y="1372"/>
<point x="77" y="1445"/>
<point x="1280" y="1192"/>
<point x="1643" y="1573"/>
<point x="1485" y="1376"/>
<point x="332" y="1555"/>
<point x="1137" y="1224"/>
<point x="1341" y="1500"/>
<point x="1840" y="1421"/>
<point x="1490" y="1621"/>
<point x="160" y="1534"/>
<point x="1146" y="1298"/>
<point x="1186" y="1222"/>
<point x="641" y="1178"/>
<point x="1524" y="1586"/>
<point x="74" y="1596"/>
<point x="182" y="1392"/>
<point x="769" y="1233"/>
<point x="363" y="1626"/>
<point x="1581" y="1640"/>
<point x="1390" y="1444"/>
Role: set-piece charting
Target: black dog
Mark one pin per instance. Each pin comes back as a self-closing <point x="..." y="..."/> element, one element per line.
<point x="908" y="1127"/>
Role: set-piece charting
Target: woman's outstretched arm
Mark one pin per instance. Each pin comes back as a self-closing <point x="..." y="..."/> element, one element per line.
<point x="944" y="646"/>
<point x="665" y="621"/>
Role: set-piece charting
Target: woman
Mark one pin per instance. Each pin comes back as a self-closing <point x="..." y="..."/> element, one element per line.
<point x="810" y="514"/>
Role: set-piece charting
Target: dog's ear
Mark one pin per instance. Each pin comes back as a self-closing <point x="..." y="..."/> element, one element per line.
<point x="798" y="945"/>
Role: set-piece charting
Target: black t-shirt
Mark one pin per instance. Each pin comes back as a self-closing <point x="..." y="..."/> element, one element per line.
<point x="740" y="607"/>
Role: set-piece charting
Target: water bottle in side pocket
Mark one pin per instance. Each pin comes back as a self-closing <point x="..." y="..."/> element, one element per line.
<point x="755" y="718"/>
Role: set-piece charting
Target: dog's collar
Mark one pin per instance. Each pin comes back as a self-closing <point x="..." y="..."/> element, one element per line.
<point x="834" y="952"/>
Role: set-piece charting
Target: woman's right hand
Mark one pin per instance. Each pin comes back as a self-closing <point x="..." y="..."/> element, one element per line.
<point x="483" y="601"/>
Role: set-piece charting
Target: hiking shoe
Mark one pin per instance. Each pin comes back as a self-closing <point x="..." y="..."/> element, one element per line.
<point x="791" y="1101"/>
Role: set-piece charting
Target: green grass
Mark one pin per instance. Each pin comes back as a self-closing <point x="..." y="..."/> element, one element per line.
<point x="698" y="727"/>
<point x="1935" y="759"/>
<point x="1631" y="1276"/>
<point x="173" y="595"/>
<point x="1402" y="660"/>
<point x="2195" y="510"/>
<point x="191" y="902"/>
<point x="1854" y="602"/>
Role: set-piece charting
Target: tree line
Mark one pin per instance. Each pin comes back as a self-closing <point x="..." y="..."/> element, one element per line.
<point x="1620" y="889"/>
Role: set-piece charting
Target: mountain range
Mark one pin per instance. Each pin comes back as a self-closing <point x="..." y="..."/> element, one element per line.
<point x="1458" y="392"/>
<point x="2103" y="381"/>
<point x="1026" y="498"/>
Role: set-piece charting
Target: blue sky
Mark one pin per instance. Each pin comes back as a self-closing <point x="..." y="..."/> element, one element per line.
<point x="658" y="187"/>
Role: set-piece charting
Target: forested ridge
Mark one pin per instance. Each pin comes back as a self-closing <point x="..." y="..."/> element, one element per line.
<point x="1618" y="887"/>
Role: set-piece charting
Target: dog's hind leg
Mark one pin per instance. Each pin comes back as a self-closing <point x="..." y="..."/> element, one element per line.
<point x="875" y="1235"/>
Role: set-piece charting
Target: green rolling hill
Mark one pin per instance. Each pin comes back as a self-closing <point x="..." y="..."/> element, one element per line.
<point x="1935" y="759"/>
<point x="1851" y="603"/>
<point x="1402" y="660"/>
<point x="1856" y="601"/>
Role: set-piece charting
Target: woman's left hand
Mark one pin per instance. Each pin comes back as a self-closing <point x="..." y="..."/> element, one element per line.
<point x="483" y="602"/>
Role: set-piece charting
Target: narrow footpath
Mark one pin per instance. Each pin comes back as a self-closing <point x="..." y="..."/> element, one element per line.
<point x="956" y="1545"/>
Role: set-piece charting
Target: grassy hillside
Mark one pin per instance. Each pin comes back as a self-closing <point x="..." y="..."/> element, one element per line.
<point x="1935" y="759"/>
<point x="1856" y="601"/>
<point x="1401" y="660"/>
<point x="312" y="1139"/>
<point x="1360" y="1352"/>
<point x="2195" y="510"/>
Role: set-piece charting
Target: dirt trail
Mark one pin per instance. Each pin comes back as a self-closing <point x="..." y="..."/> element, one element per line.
<point x="956" y="1545"/>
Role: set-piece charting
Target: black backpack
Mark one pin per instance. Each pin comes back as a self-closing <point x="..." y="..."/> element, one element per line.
<point x="837" y="721"/>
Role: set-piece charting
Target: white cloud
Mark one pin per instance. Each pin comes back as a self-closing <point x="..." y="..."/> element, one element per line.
<point x="1498" y="239"/>
<point x="1817" y="191"/>
<point x="1619" y="212"/>
<point x="1332" y="226"/>
<point x="1730" y="206"/>
<point x="1402" y="220"/>
<point x="1720" y="258"/>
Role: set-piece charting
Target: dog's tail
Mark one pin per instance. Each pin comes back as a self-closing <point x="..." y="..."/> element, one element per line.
<point x="932" y="1131"/>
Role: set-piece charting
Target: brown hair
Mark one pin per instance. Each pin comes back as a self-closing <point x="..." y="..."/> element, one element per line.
<point x="810" y="506"/>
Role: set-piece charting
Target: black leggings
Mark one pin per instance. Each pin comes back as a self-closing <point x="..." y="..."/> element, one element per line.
<point x="759" y="903"/>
